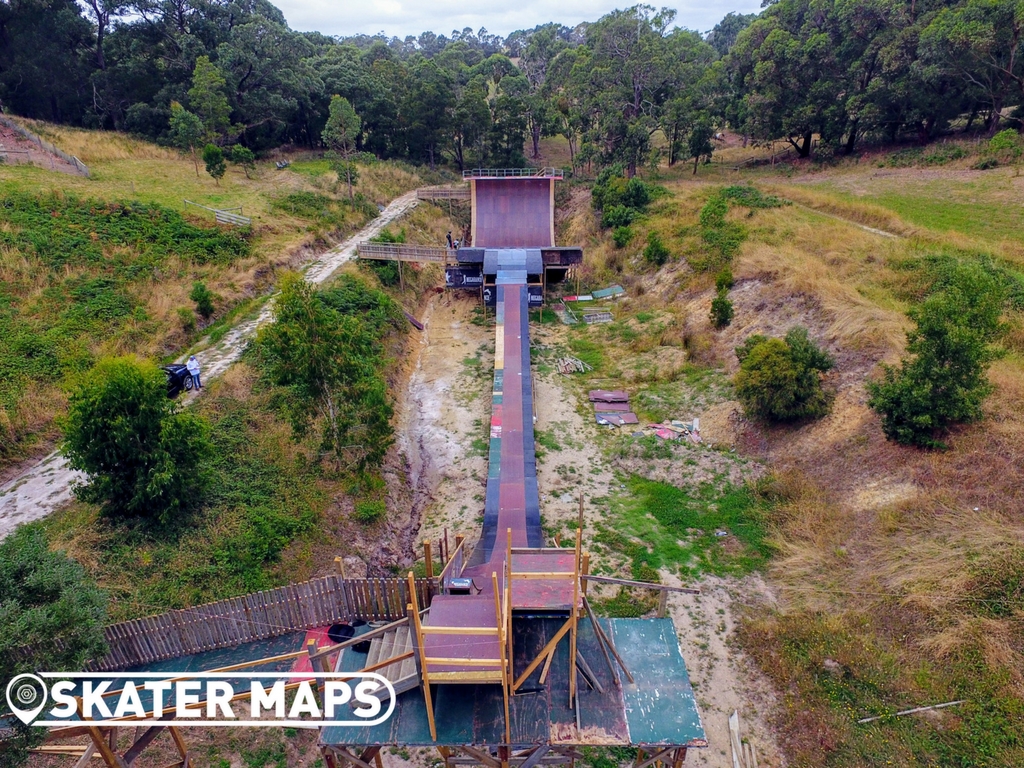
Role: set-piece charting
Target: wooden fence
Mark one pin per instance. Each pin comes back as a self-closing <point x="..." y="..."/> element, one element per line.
<point x="45" y="145"/>
<point x="309" y="604"/>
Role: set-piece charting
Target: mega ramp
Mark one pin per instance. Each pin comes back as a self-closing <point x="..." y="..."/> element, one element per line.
<point x="513" y="213"/>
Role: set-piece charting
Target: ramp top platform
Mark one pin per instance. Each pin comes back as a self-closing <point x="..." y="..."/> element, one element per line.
<point x="514" y="173"/>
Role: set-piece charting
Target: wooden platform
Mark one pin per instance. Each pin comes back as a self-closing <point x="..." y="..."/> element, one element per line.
<point x="659" y="710"/>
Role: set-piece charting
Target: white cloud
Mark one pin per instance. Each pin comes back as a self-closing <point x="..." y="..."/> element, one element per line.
<point x="410" y="17"/>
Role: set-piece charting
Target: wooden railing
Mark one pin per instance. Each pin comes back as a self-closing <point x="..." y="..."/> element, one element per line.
<point x="443" y="193"/>
<point x="402" y="252"/>
<point x="309" y="604"/>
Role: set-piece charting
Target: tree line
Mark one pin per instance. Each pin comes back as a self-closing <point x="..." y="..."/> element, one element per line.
<point x="839" y="70"/>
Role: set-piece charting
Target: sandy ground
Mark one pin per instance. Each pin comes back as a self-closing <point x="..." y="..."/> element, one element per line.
<point x="47" y="484"/>
<point x="16" y="149"/>
<point x="445" y="409"/>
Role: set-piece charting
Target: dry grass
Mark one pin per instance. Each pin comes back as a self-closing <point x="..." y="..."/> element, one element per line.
<point x="905" y="566"/>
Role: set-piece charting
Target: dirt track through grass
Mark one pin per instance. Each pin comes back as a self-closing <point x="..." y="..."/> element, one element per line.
<point x="47" y="484"/>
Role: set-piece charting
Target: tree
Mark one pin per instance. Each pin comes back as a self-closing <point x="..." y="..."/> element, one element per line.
<point x="700" y="144"/>
<point x="944" y="382"/>
<point x="721" y="309"/>
<point x="325" y="348"/>
<point x="51" y="619"/>
<point x="780" y="379"/>
<point x="208" y="98"/>
<point x="186" y="131"/>
<point x="213" y="157"/>
<point x="340" y="135"/>
<point x="244" y="157"/>
<point x="143" y="458"/>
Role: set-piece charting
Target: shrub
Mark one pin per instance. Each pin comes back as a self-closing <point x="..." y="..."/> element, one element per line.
<point x="326" y="348"/>
<point x="724" y="280"/>
<point x="780" y="379"/>
<point x="656" y="253"/>
<point x="203" y="297"/>
<point x="618" y="216"/>
<point x="142" y="457"/>
<point x="244" y="157"/>
<point x="50" y="606"/>
<point x="213" y="157"/>
<point x="621" y="236"/>
<point x="943" y="383"/>
<point x="369" y="511"/>
<point x="187" y="318"/>
<point x="721" y="310"/>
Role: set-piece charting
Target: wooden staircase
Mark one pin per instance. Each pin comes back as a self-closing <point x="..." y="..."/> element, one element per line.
<point x="394" y="644"/>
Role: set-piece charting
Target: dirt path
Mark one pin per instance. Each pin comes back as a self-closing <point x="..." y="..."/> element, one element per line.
<point x="46" y="485"/>
<point x="16" y="149"/>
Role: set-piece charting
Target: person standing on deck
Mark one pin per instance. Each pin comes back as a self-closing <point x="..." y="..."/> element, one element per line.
<point x="449" y="236"/>
<point x="193" y="368"/>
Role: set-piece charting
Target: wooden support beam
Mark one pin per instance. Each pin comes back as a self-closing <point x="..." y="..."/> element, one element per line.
<point x="542" y="655"/>
<point x="86" y="756"/>
<point x="429" y="558"/>
<point x="643" y="762"/>
<point x="483" y="757"/>
<point x="599" y="631"/>
<point x="547" y="667"/>
<point x="588" y="673"/>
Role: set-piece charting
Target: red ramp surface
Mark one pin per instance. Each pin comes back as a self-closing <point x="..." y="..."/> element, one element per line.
<point x="513" y="213"/>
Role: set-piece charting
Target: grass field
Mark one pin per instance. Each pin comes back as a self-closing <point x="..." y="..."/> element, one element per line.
<point x="898" y="571"/>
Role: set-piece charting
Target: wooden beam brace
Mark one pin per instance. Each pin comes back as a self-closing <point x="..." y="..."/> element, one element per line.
<point x="655" y="757"/>
<point x="483" y="757"/>
<point x="599" y="631"/>
<point x="144" y="740"/>
<point x="543" y="653"/>
<point x="535" y="756"/>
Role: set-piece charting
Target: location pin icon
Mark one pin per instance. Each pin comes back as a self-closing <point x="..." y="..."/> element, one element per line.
<point x="26" y="696"/>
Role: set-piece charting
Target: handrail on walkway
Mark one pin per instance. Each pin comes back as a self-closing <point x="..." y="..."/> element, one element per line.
<point x="507" y="173"/>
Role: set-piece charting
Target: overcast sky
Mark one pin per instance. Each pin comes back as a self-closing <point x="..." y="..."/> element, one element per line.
<point x="410" y="17"/>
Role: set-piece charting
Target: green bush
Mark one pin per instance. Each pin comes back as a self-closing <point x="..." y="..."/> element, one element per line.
<point x="618" y="216"/>
<point x="213" y="157"/>
<point x="621" y="236"/>
<point x="724" y="280"/>
<point x="944" y="382"/>
<point x="780" y="379"/>
<point x="721" y="310"/>
<point x="143" y="458"/>
<point x="244" y="157"/>
<point x="49" y="606"/>
<point x="326" y="348"/>
<point x="369" y="511"/>
<point x="203" y="297"/>
<point x="187" y="319"/>
<point x="656" y="253"/>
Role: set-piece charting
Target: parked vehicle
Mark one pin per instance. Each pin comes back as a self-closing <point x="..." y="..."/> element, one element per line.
<point x="178" y="379"/>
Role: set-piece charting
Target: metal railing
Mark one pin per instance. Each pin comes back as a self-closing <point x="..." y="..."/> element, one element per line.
<point x="45" y="145"/>
<point x="225" y="215"/>
<point x="509" y="173"/>
<point x="402" y="252"/>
